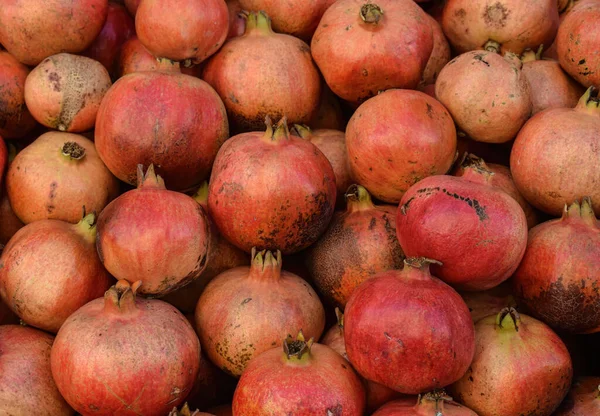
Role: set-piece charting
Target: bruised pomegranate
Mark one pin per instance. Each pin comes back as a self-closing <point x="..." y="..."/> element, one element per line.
<point x="477" y="232"/>
<point x="557" y="279"/>
<point x="356" y="46"/>
<point x="497" y="115"/>
<point x="436" y="403"/>
<point x="489" y="302"/>
<point x="520" y="355"/>
<point x="174" y="121"/>
<point x="555" y="156"/>
<point x="26" y="385"/>
<point x="15" y="119"/>
<point x="285" y="184"/>
<point x="122" y="354"/>
<point x="248" y="310"/>
<point x="282" y="383"/>
<point x="408" y="330"/>
<point x="583" y="398"/>
<point x="55" y="176"/>
<point x="134" y="57"/>
<point x="35" y="29"/>
<point x="264" y="73"/>
<point x="398" y="138"/>
<point x="359" y="243"/>
<point x="64" y="92"/>
<point x="440" y="55"/>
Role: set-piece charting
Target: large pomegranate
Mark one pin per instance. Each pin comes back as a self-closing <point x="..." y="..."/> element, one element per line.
<point x="408" y="330"/>
<point x="32" y="30"/>
<point x="125" y="355"/>
<point x="309" y="379"/>
<point x="583" y="398"/>
<point x="57" y="175"/>
<point x="440" y="55"/>
<point x="436" y="403"/>
<point x="182" y="30"/>
<point x="174" y="121"/>
<point x="264" y="73"/>
<point x="398" y="138"/>
<point x="248" y="310"/>
<point x="285" y="185"/>
<point x="520" y="355"/>
<point x="170" y="225"/>
<point x="359" y="243"/>
<point x="555" y="156"/>
<point x="497" y="115"/>
<point x="134" y="57"/>
<point x="26" y="385"/>
<point x="15" y="119"/>
<point x="357" y="50"/>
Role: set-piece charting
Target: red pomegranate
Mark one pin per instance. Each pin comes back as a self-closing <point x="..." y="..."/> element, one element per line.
<point x="558" y="276"/>
<point x="583" y="398"/>
<point x="489" y="302"/>
<point x="436" y="403"/>
<point x="398" y="138"/>
<point x="15" y="119"/>
<point x="182" y="30"/>
<point x="264" y="73"/>
<point x="64" y="92"/>
<point x="408" y="330"/>
<point x="134" y="57"/>
<point x="248" y="310"/>
<point x="359" y="243"/>
<point x="517" y="354"/>
<point x="440" y="55"/>
<point x="237" y="19"/>
<point x="510" y="25"/>
<point x="285" y="184"/>
<point x="26" y="385"/>
<point x="555" y="156"/>
<point x="174" y="121"/>
<point x="497" y="115"/>
<point x="171" y="226"/>
<point x="310" y="370"/>
<point x="356" y="46"/>
<point x="122" y="354"/>
<point x="476" y="231"/>
<point x="57" y="175"/>
<point x="329" y="114"/>
<point x="35" y="29"/>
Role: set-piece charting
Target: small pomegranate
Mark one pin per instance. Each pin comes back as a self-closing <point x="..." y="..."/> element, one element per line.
<point x="359" y="243"/>
<point x="310" y="370"/>
<point x="15" y="119"/>
<point x="583" y="398"/>
<point x="436" y="403"/>
<point x="134" y="57"/>
<point x="555" y="156"/>
<point x="247" y="310"/>
<point x="489" y="302"/>
<point x="408" y="330"/>
<point x="519" y="354"/>
<point x="440" y="55"/>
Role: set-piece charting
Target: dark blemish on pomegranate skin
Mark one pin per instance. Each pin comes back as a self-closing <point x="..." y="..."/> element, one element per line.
<point x="473" y="203"/>
<point x="496" y="15"/>
<point x="54" y="79"/>
<point x="372" y="224"/>
<point x="479" y="57"/>
<point x="246" y="301"/>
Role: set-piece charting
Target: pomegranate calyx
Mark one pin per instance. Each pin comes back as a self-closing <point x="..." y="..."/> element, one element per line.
<point x="150" y="180"/>
<point x="589" y="102"/>
<point x="87" y="225"/>
<point x="120" y="298"/>
<point x="420" y="263"/>
<point x="258" y="22"/>
<point x="529" y="55"/>
<point x="492" y="46"/>
<point x="301" y="130"/>
<point x="340" y="320"/>
<point x="508" y="319"/>
<point x="73" y="151"/>
<point x="201" y="195"/>
<point x="297" y="349"/>
<point x="265" y="265"/>
<point x="475" y="169"/>
<point x="371" y="13"/>
<point x="185" y="411"/>
<point x="583" y="211"/>
<point x="358" y="198"/>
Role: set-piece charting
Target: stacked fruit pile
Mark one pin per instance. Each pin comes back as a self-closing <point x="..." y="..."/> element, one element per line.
<point x="193" y="191"/>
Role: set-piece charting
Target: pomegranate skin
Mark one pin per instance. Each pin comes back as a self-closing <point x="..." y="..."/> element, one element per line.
<point x="531" y="362"/>
<point x="431" y="404"/>
<point x="15" y="119"/>
<point x="558" y="276"/>
<point x="583" y="398"/>
<point x="408" y="330"/>
<point x="26" y="385"/>
<point x="477" y="232"/>
<point x="553" y="160"/>
<point x="132" y="6"/>
<point x="440" y="55"/>
<point x="497" y="115"/>
<point x="138" y="114"/>
<point x="356" y="47"/>
<point x="134" y="57"/>
<point x="237" y="22"/>
<point x="52" y="26"/>
<point x="396" y="139"/>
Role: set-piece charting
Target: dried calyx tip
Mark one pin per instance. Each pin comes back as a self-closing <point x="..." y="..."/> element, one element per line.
<point x="508" y="317"/>
<point x="73" y="150"/>
<point x="472" y="161"/>
<point x="265" y="258"/>
<point x="419" y="262"/>
<point x="297" y="347"/>
<point x="436" y="395"/>
<point x="492" y="46"/>
<point x="371" y="13"/>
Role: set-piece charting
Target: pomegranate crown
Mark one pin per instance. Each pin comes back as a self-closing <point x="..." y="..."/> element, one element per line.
<point x="185" y="411"/>
<point x="358" y="198"/>
<point x="295" y="349"/>
<point x="73" y="151"/>
<point x="581" y="211"/>
<point x="265" y="264"/>
<point x="258" y="22"/>
<point x="589" y="102"/>
<point x="301" y="130"/>
<point x="120" y="298"/>
<point x="371" y="13"/>
<point x="508" y="318"/>
<point x="149" y="180"/>
<point x="281" y="131"/>
<point x="439" y="397"/>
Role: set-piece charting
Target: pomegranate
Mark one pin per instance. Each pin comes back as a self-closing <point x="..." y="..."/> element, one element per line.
<point x="55" y="176"/>
<point x="583" y="398"/>
<point x="182" y="30"/>
<point x="555" y="156"/>
<point x="329" y="114"/>
<point x="135" y="57"/>
<point x="558" y="276"/>
<point x="174" y="121"/>
<point x="285" y="184"/>
<point x="122" y="354"/>
<point x="398" y="138"/>
<point x="35" y="29"/>
<point x="132" y="6"/>
<point x="356" y="46"/>
<point x="510" y="25"/>
<point x="264" y="73"/>
<point x="408" y="330"/>
<point x="497" y="115"/>
<point x="519" y="354"/>
<point x="489" y="302"/>
<point x="308" y="370"/>
<point x="26" y="385"/>
<point x="15" y="119"/>
<point x="359" y="243"/>
<point x="440" y="55"/>
<point x="436" y="403"/>
<point x="64" y="92"/>
<point x="171" y="226"/>
<point x="3" y="159"/>
<point x="237" y="19"/>
<point x="248" y="310"/>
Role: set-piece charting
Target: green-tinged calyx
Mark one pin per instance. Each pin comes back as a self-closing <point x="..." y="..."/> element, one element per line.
<point x="201" y="195"/>
<point x="258" y="23"/>
<point x="297" y="351"/>
<point x="277" y="134"/>
<point x="492" y="46"/>
<point x="583" y="211"/>
<point x="358" y="199"/>
<point x="419" y="263"/>
<point x="508" y="319"/>
<point x="371" y="13"/>
<point x="301" y="130"/>
<point x="120" y="298"/>
<point x="264" y="265"/>
<point x="150" y="180"/>
<point x="73" y="151"/>
<point x="529" y="55"/>
<point x="87" y="226"/>
<point x="589" y="102"/>
<point x="340" y="319"/>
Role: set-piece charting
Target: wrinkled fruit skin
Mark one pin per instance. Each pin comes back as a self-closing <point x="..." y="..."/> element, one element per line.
<point x="583" y="398"/>
<point x="134" y="57"/>
<point x="15" y="119"/>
